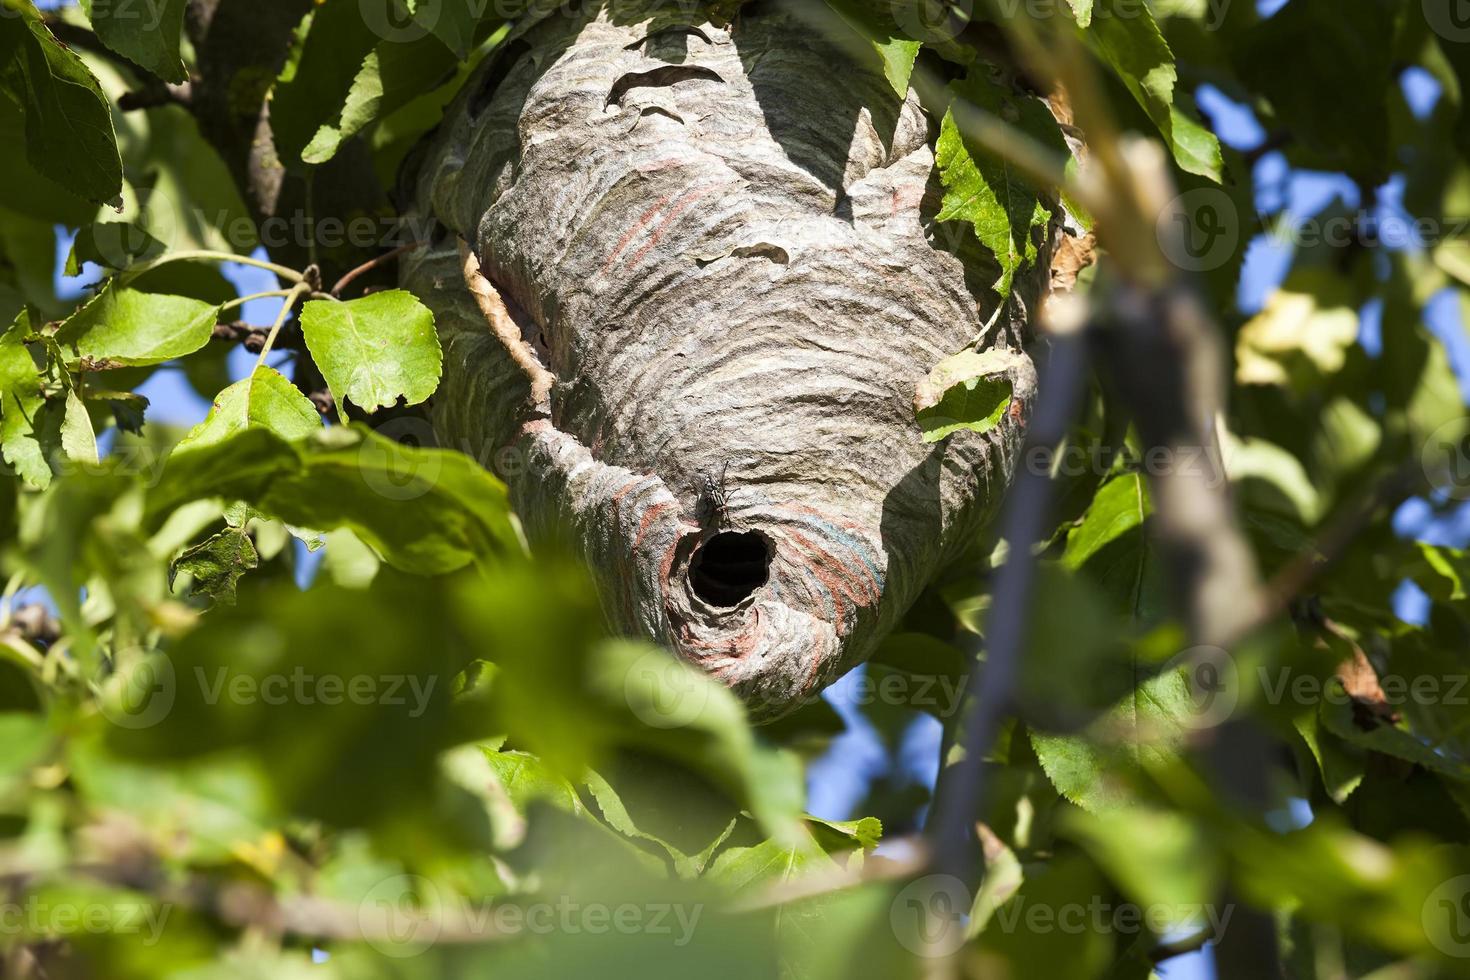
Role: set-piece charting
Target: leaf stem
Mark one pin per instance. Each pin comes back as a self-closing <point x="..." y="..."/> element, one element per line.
<point x="189" y="255"/>
<point x="292" y="296"/>
<point x="372" y="264"/>
<point x="272" y="294"/>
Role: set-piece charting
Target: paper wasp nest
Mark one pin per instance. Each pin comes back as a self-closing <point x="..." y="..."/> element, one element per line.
<point x="708" y="283"/>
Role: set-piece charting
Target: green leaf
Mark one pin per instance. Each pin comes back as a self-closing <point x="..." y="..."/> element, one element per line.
<point x="129" y="409"/>
<point x="315" y="86"/>
<point x="772" y="863"/>
<point x="212" y="810"/>
<point x="28" y="742"/>
<point x="1019" y="943"/>
<point x="216" y="564"/>
<point x="78" y="440"/>
<point x="633" y="697"/>
<point x="30" y="430"/>
<point x="1161" y="859"/>
<point x="265" y="399"/>
<point x="68" y="123"/>
<point x="360" y="61"/>
<point x="899" y="55"/>
<point x="349" y="561"/>
<point x="122" y="327"/>
<point x="1442" y="572"/>
<point x="375" y="350"/>
<point x="455" y="24"/>
<point x="391" y="76"/>
<point x="112" y="245"/>
<point x="427" y="511"/>
<point x="1126" y="37"/>
<point x="987" y="192"/>
<point x="1341" y="767"/>
<point x="1337" y="716"/>
<point x="970" y="390"/>
<point x="615" y="812"/>
<point x="146" y="33"/>
<point x="1196" y="149"/>
<point x="368" y="676"/>
<point x="896" y="52"/>
<point x="1111" y="548"/>
<point x="30" y="191"/>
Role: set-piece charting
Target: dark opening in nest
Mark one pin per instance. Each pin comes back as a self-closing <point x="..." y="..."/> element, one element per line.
<point x="730" y="566"/>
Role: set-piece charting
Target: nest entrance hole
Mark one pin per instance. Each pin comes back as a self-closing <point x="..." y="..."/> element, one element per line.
<point x="730" y="566"/>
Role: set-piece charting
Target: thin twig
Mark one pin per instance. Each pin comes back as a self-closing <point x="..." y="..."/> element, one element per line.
<point x="951" y="829"/>
<point x="1292" y="580"/>
<point x="503" y="326"/>
<point x="152" y="96"/>
<point x="207" y="255"/>
<point x="372" y="264"/>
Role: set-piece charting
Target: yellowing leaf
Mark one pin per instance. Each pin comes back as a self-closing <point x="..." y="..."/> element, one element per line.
<point x="1303" y="334"/>
<point x="971" y="390"/>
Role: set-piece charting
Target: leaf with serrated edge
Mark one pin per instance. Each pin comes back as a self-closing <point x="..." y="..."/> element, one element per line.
<point x="122" y="327"/>
<point x="265" y="399"/>
<point x="146" y="33"/>
<point x="375" y="350"/>
<point x="971" y="390"/>
<point x="25" y="434"/>
<point x="989" y="193"/>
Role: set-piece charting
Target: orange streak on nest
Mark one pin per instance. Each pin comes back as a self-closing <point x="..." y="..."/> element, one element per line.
<point x="868" y="580"/>
<point x="650" y="514"/>
<point x="730" y="649"/>
<point x="811" y="677"/>
<point x="638" y="226"/>
<point x="832" y="583"/>
<point x="685" y="203"/>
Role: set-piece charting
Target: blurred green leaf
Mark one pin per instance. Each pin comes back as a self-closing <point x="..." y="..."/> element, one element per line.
<point x="424" y="510"/>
